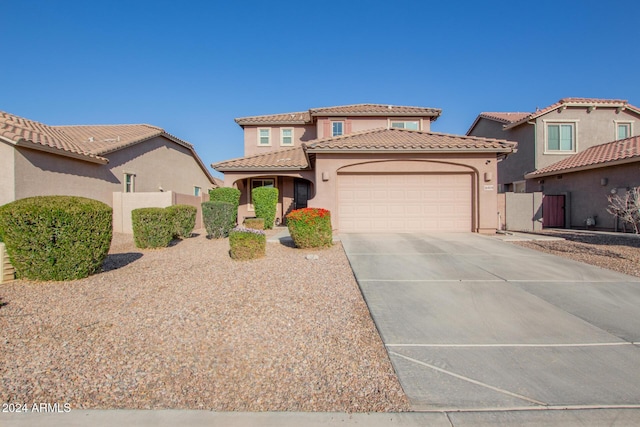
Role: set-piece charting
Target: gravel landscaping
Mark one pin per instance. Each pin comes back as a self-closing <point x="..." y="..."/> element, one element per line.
<point x="188" y="327"/>
<point x="607" y="250"/>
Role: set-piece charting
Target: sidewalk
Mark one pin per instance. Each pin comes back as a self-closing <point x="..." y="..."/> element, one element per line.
<point x="192" y="418"/>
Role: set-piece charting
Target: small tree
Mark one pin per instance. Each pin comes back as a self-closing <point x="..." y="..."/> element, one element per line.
<point x="265" y="201"/>
<point x="626" y="207"/>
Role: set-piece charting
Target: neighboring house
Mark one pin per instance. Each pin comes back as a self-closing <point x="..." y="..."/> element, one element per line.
<point x="376" y="167"/>
<point x="554" y="133"/>
<point x="94" y="161"/>
<point x="577" y="186"/>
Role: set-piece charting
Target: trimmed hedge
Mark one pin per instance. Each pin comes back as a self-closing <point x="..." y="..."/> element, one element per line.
<point x="218" y="218"/>
<point x="310" y="227"/>
<point x="247" y="243"/>
<point x="265" y="201"/>
<point x="226" y="194"/>
<point x="183" y="218"/>
<point x="152" y="227"/>
<point x="56" y="237"/>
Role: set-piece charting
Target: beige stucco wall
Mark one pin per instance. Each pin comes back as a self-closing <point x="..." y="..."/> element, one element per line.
<point x="7" y="173"/>
<point x="594" y="128"/>
<point x="484" y="192"/>
<point x="156" y="163"/>
<point x="301" y="133"/>
<point x="585" y="196"/>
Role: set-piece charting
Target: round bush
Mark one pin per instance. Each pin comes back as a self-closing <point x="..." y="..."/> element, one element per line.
<point x="226" y="194"/>
<point x="183" y="218"/>
<point x="218" y="218"/>
<point x="152" y="227"/>
<point x="310" y="227"/>
<point x="56" y="237"/>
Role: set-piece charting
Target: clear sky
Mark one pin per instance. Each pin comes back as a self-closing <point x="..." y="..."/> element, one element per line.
<point x="191" y="67"/>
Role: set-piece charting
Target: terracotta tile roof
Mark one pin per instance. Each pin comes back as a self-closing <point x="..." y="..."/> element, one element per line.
<point x="29" y="133"/>
<point x="276" y="119"/>
<point x="622" y="151"/>
<point x="576" y="102"/>
<point x="102" y="139"/>
<point x="306" y="117"/>
<point x="376" y="110"/>
<point x="505" y="117"/>
<point x="399" y="140"/>
<point x="287" y="159"/>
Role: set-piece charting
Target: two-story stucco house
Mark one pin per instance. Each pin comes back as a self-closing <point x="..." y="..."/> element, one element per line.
<point x="576" y="152"/>
<point x="376" y="167"/>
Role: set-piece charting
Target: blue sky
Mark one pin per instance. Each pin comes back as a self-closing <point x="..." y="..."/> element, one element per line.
<point x="192" y="67"/>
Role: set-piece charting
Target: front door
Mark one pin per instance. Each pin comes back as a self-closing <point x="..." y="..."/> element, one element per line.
<point x="553" y="211"/>
<point x="300" y="193"/>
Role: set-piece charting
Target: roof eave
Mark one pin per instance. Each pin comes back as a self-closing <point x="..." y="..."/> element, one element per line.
<point x="395" y="150"/>
<point x="60" y="152"/>
<point x="259" y="169"/>
<point x="535" y="175"/>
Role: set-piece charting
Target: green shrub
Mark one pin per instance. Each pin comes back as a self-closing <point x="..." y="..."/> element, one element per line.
<point x="265" y="201"/>
<point x="218" y="218"/>
<point x="226" y="194"/>
<point x="183" y="218"/>
<point x="310" y="227"/>
<point x="247" y="243"/>
<point x="254" y="223"/>
<point x="56" y="237"/>
<point x="152" y="227"/>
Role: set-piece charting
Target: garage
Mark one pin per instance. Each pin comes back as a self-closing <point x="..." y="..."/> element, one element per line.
<point x="408" y="203"/>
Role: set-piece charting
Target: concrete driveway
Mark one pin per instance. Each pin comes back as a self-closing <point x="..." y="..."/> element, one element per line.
<point x="472" y="322"/>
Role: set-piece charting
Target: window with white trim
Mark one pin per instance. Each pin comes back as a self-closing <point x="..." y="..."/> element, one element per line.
<point x="286" y="136"/>
<point x="264" y="136"/>
<point x="623" y="130"/>
<point x="337" y="128"/>
<point x="259" y="182"/>
<point x="561" y="137"/>
<point x="129" y="182"/>
<point x="197" y="190"/>
<point x="406" y="124"/>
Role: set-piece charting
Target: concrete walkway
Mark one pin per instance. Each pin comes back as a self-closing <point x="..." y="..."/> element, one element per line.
<point x="473" y="323"/>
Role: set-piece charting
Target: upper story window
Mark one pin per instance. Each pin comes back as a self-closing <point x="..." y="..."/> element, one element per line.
<point x="337" y="128"/>
<point x="286" y="136"/>
<point x="197" y="191"/>
<point x="623" y="130"/>
<point x="561" y="137"/>
<point x="129" y="182"/>
<point x="406" y="124"/>
<point x="264" y="136"/>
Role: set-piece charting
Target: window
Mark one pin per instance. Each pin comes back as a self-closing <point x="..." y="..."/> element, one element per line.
<point x="337" y="128"/>
<point x="129" y="182"/>
<point x="196" y="191"/>
<point x="623" y="130"/>
<point x="264" y="136"/>
<point x="412" y="125"/>
<point x="560" y="137"/>
<point x="261" y="182"/>
<point x="286" y="136"/>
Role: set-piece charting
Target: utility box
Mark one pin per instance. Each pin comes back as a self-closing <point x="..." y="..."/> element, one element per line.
<point x="7" y="272"/>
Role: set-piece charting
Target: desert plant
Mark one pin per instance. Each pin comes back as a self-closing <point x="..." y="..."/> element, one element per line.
<point x="152" y="227"/>
<point x="56" y="237"/>
<point x="247" y="243"/>
<point x="310" y="227"/>
<point x="265" y="201"/>
<point x="626" y="207"/>
<point x="183" y="218"/>
<point x="226" y="194"/>
<point x="218" y="218"/>
<point x="255" y="223"/>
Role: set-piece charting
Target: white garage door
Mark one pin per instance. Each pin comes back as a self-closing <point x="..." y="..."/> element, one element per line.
<point x="404" y="203"/>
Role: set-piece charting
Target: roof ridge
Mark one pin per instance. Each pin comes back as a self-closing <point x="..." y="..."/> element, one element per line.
<point x="282" y="150"/>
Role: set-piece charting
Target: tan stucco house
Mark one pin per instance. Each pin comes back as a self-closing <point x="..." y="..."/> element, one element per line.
<point x="554" y="133"/>
<point x="376" y="167"/>
<point x="94" y="161"/>
<point x="581" y="183"/>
